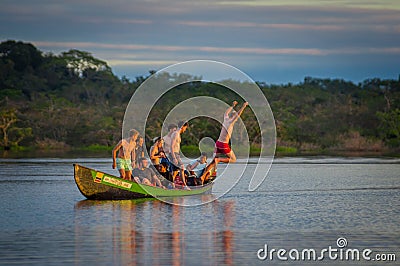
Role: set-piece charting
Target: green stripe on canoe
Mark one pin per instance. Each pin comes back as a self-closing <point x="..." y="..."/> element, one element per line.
<point x="109" y="180"/>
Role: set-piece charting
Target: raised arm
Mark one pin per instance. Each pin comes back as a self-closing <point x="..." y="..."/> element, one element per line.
<point x="227" y="112"/>
<point x="241" y="110"/>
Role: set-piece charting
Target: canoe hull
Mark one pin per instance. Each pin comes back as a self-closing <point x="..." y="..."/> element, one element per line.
<point x="102" y="186"/>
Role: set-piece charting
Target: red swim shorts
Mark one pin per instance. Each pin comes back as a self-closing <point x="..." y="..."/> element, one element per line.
<point x="221" y="147"/>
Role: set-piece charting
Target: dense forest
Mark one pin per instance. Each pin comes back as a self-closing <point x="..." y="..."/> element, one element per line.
<point x="74" y="101"/>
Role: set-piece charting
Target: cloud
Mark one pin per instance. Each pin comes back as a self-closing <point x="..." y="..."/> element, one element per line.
<point x="219" y="49"/>
<point x="141" y="62"/>
<point x="244" y="24"/>
<point x="377" y="4"/>
<point x="135" y="33"/>
<point x="177" y="48"/>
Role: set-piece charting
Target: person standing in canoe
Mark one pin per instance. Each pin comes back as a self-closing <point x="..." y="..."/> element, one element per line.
<point x="167" y="138"/>
<point x="174" y="155"/>
<point x="139" y="149"/>
<point x="125" y="149"/>
<point x="223" y="152"/>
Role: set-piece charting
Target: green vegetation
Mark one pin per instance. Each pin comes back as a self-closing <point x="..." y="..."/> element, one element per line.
<point x="73" y="101"/>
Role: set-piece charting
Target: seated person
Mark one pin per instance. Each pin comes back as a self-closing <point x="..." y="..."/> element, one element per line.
<point x="146" y="175"/>
<point x="178" y="182"/>
<point x="157" y="152"/>
<point x="159" y="159"/>
<point x="163" y="170"/>
<point x="196" y="168"/>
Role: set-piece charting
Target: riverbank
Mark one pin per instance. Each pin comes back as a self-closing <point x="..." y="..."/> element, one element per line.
<point x="105" y="152"/>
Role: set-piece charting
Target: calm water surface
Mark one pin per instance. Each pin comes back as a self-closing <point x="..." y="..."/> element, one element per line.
<point x="304" y="203"/>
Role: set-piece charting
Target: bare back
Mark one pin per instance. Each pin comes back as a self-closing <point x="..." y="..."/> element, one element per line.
<point x="230" y="118"/>
<point x="176" y="142"/>
<point x="167" y="142"/>
<point x="227" y="128"/>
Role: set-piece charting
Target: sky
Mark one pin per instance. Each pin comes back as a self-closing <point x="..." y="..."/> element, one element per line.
<point x="271" y="41"/>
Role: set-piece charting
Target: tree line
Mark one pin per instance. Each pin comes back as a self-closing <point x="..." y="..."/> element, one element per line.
<point x="73" y="100"/>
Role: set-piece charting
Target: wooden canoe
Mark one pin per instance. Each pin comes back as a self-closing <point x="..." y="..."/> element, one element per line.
<point x="94" y="184"/>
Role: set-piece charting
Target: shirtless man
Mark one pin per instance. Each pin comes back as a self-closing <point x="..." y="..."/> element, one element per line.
<point x="174" y="155"/>
<point x="223" y="152"/>
<point x="167" y="138"/>
<point x="222" y="144"/>
<point x="126" y="151"/>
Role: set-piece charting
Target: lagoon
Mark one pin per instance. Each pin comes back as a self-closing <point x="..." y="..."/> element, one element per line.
<point x="304" y="203"/>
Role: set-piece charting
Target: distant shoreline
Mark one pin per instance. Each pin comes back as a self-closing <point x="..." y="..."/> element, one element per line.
<point x="105" y="153"/>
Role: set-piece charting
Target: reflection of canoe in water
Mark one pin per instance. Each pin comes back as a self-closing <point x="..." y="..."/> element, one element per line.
<point x="94" y="184"/>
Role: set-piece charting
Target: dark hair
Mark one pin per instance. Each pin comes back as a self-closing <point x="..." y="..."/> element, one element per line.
<point x="204" y="154"/>
<point x="141" y="159"/>
<point x="156" y="139"/>
<point x="171" y="126"/>
<point x="182" y="124"/>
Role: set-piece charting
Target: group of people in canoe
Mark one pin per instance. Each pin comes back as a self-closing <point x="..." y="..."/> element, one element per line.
<point x="128" y="156"/>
